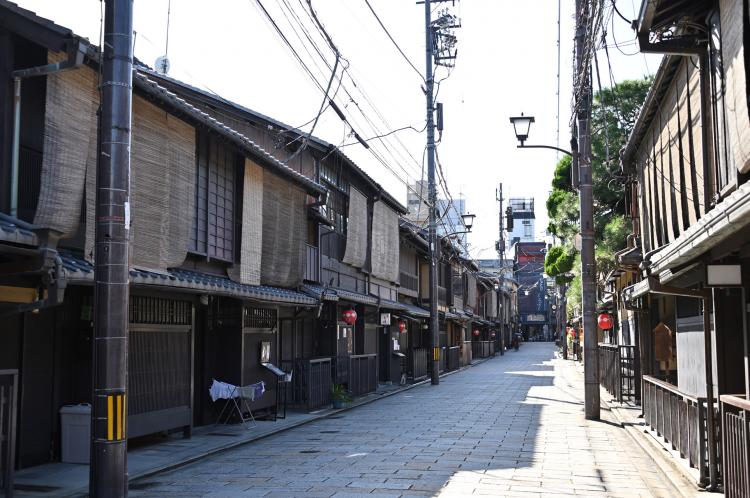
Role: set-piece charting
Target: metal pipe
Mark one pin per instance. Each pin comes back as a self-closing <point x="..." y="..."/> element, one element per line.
<point x="16" y="146"/>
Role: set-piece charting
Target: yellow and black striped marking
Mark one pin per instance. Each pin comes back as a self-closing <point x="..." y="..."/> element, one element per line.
<point x="436" y="354"/>
<point x="116" y="417"/>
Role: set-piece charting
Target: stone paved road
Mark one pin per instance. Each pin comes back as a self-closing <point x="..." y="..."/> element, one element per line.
<point x="512" y="426"/>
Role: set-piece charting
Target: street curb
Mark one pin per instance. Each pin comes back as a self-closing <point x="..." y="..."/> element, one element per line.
<point x="229" y="446"/>
<point x="679" y="478"/>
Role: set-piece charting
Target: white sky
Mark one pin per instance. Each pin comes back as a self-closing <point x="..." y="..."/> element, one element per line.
<point x="507" y="64"/>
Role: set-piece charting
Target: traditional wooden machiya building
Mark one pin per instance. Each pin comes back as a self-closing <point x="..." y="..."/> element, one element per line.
<point x="689" y="158"/>
<point x="218" y="233"/>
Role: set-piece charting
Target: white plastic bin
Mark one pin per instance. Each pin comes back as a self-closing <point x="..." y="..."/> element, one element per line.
<point x="75" y="422"/>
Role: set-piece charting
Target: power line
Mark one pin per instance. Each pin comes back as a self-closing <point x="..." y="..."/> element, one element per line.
<point x="393" y="41"/>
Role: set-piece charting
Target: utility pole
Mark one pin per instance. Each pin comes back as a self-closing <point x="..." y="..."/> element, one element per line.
<point x="501" y="254"/>
<point x="434" y="250"/>
<point x="108" y="472"/>
<point x="439" y="45"/>
<point x="588" y="263"/>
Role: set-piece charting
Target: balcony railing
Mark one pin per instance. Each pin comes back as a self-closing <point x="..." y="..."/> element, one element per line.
<point x="619" y="371"/>
<point x="680" y="419"/>
<point x="312" y="268"/>
<point x="418" y="359"/>
<point x="735" y="414"/>
<point x="8" y="399"/>
<point x="363" y="374"/>
<point x="316" y="383"/>
<point x="442" y="296"/>
<point x="409" y="281"/>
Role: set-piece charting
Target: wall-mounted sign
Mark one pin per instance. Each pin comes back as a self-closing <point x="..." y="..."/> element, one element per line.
<point x="385" y="319"/>
<point x="723" y="275"/>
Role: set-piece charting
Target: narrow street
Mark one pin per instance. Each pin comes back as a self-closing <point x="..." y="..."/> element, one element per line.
<point x="512" y="426"/>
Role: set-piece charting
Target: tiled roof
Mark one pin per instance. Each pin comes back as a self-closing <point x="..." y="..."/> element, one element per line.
<point x="143" y="82"/>
<point x="392" y="305"/>
<point x="335" y="294"/>
<point x="415" y="311"/>
<point x="16" y="231"/>
<point x="82" y="272"/>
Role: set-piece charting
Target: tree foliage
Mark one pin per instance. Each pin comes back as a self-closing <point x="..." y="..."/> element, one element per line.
<point x="614" y="113"/>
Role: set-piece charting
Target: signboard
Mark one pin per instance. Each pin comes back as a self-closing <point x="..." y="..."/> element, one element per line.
<point x="533" y="318"/>
<point x="385" y="319"/>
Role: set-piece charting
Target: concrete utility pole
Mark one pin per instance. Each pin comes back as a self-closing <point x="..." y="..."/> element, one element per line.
<point x="434" y="249"/>
<point x="108" y="472"/>
<point x="501" y="254"/>
<point x="586" y="189"/>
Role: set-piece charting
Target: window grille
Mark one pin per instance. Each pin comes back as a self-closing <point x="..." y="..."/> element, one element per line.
<point x="213" y="219"/>
<point x="159" y="311"/>
<point x="260" y="318"/>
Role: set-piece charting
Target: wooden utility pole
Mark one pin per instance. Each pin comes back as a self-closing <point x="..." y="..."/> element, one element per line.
<point x="108" y="472"/>
<point x="582" y="99"/>
<point x="501" y="255"/>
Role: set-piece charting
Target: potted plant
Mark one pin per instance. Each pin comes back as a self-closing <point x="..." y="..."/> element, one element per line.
<point x="339" y="396"/>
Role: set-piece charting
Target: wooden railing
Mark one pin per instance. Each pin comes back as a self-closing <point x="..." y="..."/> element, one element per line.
<point x="619" y="371"/>
<point x="735" y="415"/>
<point x="8" y="400"/>
<point x="363" y="374"/>
<point x="312" y="268"/>
<point x="341" y="369"/>
<point x="492" y="348"/>
<point x="316" y="383"/>
<point x="419" y="357"/>
<point x="680" y="419"/>
<point x="476" y="350"/>
<point x="409" y="281"/>
<point x="453" y="358"/>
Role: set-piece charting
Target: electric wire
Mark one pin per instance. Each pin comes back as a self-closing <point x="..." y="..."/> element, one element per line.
<point x="395" y="44"/>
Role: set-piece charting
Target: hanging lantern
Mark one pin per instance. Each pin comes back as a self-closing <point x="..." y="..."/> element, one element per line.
<point x="476" y="332"/>
<point x="605" y="321"/>
<point x="402" y="326"/>
<point x="349" y="316"/>
<point x="492" y="334"/>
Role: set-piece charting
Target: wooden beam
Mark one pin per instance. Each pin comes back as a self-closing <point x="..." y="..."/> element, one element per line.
<point x="11" y="294"/>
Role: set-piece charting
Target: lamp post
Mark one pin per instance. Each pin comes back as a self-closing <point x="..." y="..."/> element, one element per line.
<point x="521" y="126"/>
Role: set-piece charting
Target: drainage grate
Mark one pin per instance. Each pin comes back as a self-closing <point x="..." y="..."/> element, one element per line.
<point x="229" y="434"/>
<point x="143" y="485"/>
<point x="310" y="451"/>
<point x="335" y="416"/>
<point x="329" y="432"/>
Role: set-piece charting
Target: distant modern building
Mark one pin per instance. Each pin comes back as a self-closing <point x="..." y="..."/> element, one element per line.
<point x="450" y="212"/>
<point x="523" y="221"/>
<point x="533" y="305"/>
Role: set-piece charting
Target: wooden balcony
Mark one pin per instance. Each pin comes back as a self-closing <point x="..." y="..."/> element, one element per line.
<point x="409" y="283"/>
<point x="735" y="415"/>
<point x="680" y="419"/>
<point x="312" y="267"/>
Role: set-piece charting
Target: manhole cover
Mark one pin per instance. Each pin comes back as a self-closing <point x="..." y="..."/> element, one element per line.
<point x="310" y="451"/>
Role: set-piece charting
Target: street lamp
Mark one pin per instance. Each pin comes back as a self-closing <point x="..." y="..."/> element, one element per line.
<point x="521" y="125"/>
<point x="468" y="220"/>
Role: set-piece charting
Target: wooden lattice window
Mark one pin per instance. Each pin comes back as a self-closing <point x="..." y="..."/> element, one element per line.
<point x="215" y="194"/>
<point x="260" y="318"/>
<point x="158" y="311"/>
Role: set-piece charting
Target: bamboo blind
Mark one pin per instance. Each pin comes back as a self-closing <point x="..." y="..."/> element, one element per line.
<point x="252" y="224"/>
<point x="69" y="146"/>
<point x="356" y="236"/>
<point x="471" y="291"/>
<point x="670" y="160"/>
<point x="284" y="229"/>
<point x="733" y="21"/>
<point x="385" y="242"/>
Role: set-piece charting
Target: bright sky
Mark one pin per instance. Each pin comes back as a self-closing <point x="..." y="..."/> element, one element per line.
<point x="507" y="64"/>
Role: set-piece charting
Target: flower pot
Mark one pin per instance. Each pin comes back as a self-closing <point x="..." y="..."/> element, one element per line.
<point x="338" y="404"/>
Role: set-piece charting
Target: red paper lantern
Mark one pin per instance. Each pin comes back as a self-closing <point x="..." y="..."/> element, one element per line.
<point x="349" y="316"/>
<point x="605" y="321"/>
<point x="402" y="326"/>
<point x="476" y="333"/>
